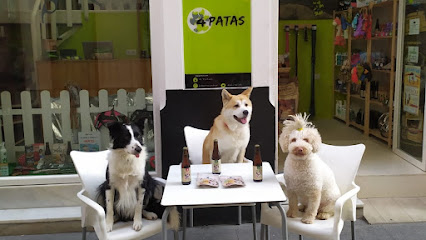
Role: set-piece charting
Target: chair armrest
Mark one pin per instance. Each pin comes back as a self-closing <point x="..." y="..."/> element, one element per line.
<point x="100" y="212"/>
<point x="338" y="207"/>
<point x="345" y="197"/>
<point x="160" y="180"/>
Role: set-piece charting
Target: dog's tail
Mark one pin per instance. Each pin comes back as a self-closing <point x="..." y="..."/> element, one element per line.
<point x="174" y="219"/>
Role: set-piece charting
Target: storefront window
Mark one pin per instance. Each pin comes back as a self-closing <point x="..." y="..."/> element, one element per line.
<point x="68" y="69"/>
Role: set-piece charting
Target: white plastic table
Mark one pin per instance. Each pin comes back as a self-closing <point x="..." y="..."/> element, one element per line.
<point x="267" y="191"/>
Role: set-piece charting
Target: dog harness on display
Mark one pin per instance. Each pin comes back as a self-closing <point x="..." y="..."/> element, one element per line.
<point x="108" y="117"/>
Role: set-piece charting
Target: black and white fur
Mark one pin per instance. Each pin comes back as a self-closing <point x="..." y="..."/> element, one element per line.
<point x="129" y="192"/>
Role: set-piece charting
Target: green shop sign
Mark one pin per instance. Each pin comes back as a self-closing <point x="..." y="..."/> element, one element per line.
<point x="217" y="43"/>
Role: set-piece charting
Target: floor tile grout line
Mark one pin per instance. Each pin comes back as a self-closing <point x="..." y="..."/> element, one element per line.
<point x="402" y="209"/>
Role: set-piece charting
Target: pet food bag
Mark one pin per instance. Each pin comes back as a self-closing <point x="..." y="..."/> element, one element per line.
<point x="207" y="180"/>
<point x="232" y="181"/>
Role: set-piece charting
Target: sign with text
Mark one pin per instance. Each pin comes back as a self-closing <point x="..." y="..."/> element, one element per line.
<point x="412" y="89"/>
<point x="217" y="43"/>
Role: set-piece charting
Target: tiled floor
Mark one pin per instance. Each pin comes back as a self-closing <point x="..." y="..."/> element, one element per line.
<point x="379" y="160"/>
<point x="391" y="210"/>
<point x="364" y="231"/>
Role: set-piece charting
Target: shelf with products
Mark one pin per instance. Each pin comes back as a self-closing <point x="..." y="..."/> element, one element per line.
<point x="372" y="52"/>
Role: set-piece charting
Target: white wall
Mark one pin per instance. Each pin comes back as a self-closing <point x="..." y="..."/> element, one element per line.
<point x="167" y="53"/>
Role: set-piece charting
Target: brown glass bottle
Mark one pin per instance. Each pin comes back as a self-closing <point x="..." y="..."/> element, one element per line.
<point x="216" y="160"/>
<point x="186" y="167"/>
<point x="257" y="164"/>
<point x="47" y="151"/>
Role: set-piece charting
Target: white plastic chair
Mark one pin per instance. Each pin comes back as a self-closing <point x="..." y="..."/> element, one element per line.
<point x="91" y="168"/>
<point x="344" y="162"/>
<point x="194" y="139"/>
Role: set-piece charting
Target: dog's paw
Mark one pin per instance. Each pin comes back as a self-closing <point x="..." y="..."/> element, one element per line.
<point x="137" y="225"/>
<point x="150" y="216"/>
<point x="109" y="223"/>
<point x="308" y="220"/>
<point x="324" y="216"/>
<point x="291" y="214"/>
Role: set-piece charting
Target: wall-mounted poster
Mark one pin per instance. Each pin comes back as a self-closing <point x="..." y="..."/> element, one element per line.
<point x="217" y="43"/>
<point x="411" y="89"/>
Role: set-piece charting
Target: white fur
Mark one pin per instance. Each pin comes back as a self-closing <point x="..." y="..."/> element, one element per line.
<point x="309" y="180"/>
<point x="126" y="173"/>
<point x="234" y="143"/>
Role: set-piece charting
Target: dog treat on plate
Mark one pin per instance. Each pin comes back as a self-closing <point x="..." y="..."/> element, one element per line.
<point x="232" y="181"/>
<point x="209" y="180"/>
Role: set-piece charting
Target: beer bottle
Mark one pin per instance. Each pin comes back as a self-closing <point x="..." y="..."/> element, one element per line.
<point x="47" y="151"/>
<point x="47" y="158"/>
<point x="186" y="167"/>
<point x="257" y="164"/>
<point x="215" y="158"/>
<point x="68" y="161"/>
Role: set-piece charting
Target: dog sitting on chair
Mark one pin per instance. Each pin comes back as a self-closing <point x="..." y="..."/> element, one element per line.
<point x="310" y="183"/>
<point x="231" y="128"/>
<point x="129" y="192"/>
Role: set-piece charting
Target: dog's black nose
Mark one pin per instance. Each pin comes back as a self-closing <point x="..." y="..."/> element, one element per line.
<point x="138" y="149"/>
<point x="245" y="112"/>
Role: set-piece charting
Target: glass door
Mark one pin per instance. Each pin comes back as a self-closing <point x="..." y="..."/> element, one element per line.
<point x="409" y="137"/>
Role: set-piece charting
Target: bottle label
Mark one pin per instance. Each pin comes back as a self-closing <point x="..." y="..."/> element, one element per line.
<point x="3" y="156"/>
<point x="216" y="166"/>
<point x="257" y="173"/>
<point x="186" y="175"/>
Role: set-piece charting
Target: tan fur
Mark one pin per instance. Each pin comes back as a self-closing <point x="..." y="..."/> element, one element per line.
<point x="232" y="136"/>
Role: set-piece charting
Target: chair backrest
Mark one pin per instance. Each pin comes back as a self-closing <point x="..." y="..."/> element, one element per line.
<point x="194" y="139"/>
<point x="344" y="162"/>
<point x="91" y="168"/>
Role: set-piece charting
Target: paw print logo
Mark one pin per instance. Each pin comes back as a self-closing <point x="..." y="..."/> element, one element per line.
<point x="199" y="20"/>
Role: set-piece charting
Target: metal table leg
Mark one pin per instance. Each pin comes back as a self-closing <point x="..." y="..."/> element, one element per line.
<point x="239" y="215"/>
<point x="164" y="222"/>
<point x="84" y="233"/>
<point x="184" y="211"/>
<point x="267" y="232"/>
<point x="284" y="220"/>
<point x="191" y="217"/>
<point x="253" y="216"/>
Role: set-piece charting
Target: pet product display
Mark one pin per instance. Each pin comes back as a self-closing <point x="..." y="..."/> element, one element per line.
<point x="4" y="167"/>
<point x="287" y="47"/>
<point x="107" y="117"/>
<point x="216" y="162"/>
<point x="186" y="167"/>
<point x="313" y="42"/>
<point x="338" y="39"/>
<point x="257" y="164"/>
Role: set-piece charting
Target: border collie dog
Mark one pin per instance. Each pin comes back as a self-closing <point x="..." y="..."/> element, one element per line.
<point x="129" y="192"/>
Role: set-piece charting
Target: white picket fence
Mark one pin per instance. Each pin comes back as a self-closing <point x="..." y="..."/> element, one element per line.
<point x="86" y="110"/>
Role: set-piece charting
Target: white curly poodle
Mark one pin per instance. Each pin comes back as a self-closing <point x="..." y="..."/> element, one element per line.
<point x="310" y="183"/>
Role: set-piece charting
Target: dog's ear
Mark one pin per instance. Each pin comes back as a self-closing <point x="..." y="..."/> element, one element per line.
<point x="114" y="129"/>
<point x="247" y="92"/>
<point x="316" y="140"/>
<point x="284" y="142"/>
<point x="226" y="96"/>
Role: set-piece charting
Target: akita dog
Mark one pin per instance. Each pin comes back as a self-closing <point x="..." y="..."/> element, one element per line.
<point x="231" y="128"/>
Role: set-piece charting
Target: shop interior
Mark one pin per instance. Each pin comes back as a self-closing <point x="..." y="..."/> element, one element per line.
<point x="359" y="72"/>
